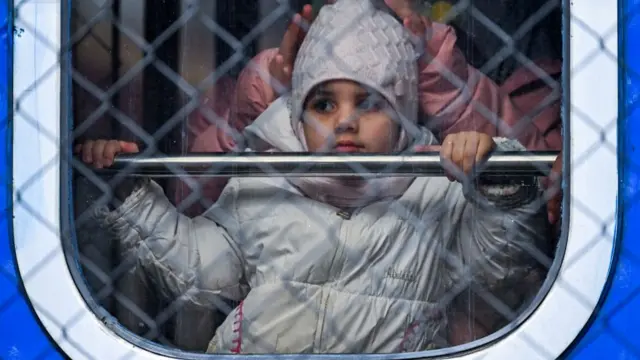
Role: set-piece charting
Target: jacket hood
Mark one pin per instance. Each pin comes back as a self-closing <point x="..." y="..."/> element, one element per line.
<point x="357" y="40"/>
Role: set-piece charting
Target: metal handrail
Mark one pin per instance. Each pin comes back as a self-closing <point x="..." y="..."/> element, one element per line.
<point x="305" y="164"/>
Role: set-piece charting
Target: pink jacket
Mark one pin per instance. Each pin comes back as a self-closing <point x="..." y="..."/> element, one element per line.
<point x="208" y="131"/>
<point x="455" y="96"/>
<point x="541" y="101"/>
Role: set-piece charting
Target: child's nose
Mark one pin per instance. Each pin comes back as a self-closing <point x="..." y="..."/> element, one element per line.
<point x="347" y="119"/>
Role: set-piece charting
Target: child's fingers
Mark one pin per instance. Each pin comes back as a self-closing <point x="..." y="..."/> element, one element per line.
<point x="97" y="153"/>
<point x="447" y="148"/>
<point x="471" y="152"/>
<point x="87" y="152"/>
<point x="485" y="145"/>
<point x="458" y="153"/>
<point x="128" y="147"/>
<point x="446" y="154"/>
<point x="111" y="149"/>
<point x="101" y="153"/>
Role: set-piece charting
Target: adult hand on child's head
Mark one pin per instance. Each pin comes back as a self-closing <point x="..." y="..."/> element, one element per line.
<point x="281" y="66"/>
<point x="101" y="153"/>
<point x="412" y="20"/>
<point x="417" y="25"/>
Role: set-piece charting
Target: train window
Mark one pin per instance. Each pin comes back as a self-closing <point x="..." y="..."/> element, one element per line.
<point x="155" y="128"/>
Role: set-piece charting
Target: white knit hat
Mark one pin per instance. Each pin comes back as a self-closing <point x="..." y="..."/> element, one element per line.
<point x="354" y="40"/>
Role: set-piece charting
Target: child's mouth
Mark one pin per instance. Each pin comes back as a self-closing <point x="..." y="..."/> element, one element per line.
<point x="347" y="148"/>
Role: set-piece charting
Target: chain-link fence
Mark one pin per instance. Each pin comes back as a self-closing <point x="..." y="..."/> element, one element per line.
<point x="274" y="272"/>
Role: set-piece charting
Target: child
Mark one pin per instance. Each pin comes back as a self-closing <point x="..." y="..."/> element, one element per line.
<point x="337" y="265"/>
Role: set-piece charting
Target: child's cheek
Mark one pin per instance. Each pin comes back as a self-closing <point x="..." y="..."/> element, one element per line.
<point x="314" y="138"/>
<point x="381" y="133"/>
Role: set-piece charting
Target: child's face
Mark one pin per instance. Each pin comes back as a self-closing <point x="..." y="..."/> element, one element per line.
<point x="343" y="116"/>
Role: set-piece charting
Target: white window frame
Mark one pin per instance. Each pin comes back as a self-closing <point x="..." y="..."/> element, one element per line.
<point x="546" y="333"/>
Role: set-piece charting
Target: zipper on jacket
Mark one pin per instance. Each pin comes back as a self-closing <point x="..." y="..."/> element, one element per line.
<point x="326" y="293"/>
<point x="343" y="237"/>
<point x="346" y="215"/>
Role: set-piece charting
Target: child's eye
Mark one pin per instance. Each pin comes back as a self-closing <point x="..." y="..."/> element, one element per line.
<point x="371" y="103"/>
<point x="323" y="105"/>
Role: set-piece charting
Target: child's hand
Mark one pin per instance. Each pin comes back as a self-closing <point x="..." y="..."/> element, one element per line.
<point x="100" y="153"/>
<point x="462" y="151"/>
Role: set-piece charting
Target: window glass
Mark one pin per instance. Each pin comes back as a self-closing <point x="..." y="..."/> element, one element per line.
<point x="202" y="89"/>
<point x="323" y="263"/>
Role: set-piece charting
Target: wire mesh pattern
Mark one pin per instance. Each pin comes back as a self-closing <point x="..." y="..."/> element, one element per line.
<point x="150" y="101"/>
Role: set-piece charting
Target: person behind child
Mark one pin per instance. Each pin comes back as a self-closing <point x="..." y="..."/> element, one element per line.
<point x="337" y="265"/>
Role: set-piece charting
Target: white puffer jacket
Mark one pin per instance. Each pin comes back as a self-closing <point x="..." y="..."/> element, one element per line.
<point x="315" y="279"/>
